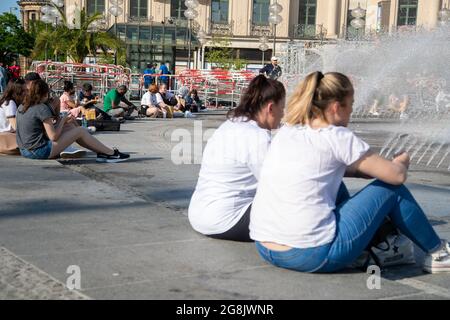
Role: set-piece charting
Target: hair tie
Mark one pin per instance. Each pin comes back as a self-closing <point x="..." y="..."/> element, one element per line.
<point x="320" y="76"/>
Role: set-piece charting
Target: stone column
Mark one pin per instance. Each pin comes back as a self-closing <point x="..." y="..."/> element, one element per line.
<point x="433" y="10"/>
<point x="333" y="12"/>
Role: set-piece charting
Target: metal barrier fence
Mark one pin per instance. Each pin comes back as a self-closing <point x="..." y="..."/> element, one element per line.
<point x="218" y="88"/>
<point x="102" y="77"/>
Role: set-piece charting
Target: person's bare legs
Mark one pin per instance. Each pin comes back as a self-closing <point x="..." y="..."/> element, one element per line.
<point x="82" y="137"/>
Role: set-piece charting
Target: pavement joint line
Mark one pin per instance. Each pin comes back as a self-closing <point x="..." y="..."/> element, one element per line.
<point x="403" y="296"/>
<point x="76" y="292"/>
<point x="102" y="178"/>
<point x="171" y="277"/>
<point x="137" y="245"/>
<point x="425" y="287"/>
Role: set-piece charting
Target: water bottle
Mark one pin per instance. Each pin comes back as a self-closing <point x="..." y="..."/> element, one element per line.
<point x="84" y="122"/>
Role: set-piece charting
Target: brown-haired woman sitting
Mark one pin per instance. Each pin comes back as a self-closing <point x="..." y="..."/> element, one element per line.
<point x="39" y="137"/>
<point x="220" y="205"/>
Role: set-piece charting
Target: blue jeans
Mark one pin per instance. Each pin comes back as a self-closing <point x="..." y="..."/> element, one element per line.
<point x="357" y="220"/>
<point x="41" y="153"/>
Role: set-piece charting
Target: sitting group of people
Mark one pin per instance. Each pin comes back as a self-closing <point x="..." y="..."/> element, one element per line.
<point x="37" y="125"/>
<point x="287" y="193"/>
<point x="158" y="102"/>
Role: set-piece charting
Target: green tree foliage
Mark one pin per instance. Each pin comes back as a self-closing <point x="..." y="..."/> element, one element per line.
<point x="221" y="55"/>
<point x="14" y="40"/>
<point x="77" y="42"/>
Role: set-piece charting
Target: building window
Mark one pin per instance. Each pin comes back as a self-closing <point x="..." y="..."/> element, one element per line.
<point x="138" y="8"/>
<point x="95" y="6"/>
<point x="261" y="12"/>
<point x="177" y="9"/>
<point x="307" y="12"/>
<point x="407" y="12"/>
<point x="33" y="16"/>
<point x="219" y="11"/>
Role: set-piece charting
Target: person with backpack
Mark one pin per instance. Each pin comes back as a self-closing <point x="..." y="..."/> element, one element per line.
<point x="303" y="217"/>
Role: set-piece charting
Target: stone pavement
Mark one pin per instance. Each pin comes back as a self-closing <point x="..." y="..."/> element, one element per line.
<point x="125" y="226"/>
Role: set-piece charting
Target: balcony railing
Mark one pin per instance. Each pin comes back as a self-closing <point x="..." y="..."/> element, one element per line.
<point x="221" y="28"/>
<point x="309" y="31"/>
<point x="259" y="30"/>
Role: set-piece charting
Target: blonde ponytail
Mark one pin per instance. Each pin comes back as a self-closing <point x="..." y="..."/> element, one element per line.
<point x="314" y="94"/>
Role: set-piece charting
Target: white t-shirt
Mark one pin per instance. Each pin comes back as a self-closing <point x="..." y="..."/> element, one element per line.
<point x="228" y="176"/>
<point x="7" y="111"/>
<point x="150" y="99"/>
<point x="299" y="183"/>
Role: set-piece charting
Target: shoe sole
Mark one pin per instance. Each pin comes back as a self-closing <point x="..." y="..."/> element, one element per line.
<point x="436" y="269"/>
<point x="111" y="160"/>
<point x="76" y="155"/>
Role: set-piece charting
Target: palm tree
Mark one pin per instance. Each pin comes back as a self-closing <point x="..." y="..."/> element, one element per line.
<point x="76" y="42"/>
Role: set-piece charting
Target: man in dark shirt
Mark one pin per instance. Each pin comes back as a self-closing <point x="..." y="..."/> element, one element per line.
<point x="272" y="70"/>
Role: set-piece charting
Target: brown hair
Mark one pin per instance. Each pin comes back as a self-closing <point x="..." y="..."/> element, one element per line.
<point x="314" y="94"/>
<point x="260" y="91"/>
<point x="14" y="91"/>
<point x="153" y="89"/>
<point x="38" y="90"/>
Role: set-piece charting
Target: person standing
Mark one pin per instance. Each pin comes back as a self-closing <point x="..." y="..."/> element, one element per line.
<point x="148" y="75"/>
<point x="272" y="70"/>
<point x="164" y="70"/>
<point x="3" y="78"/>
<point x="15" y="71"/>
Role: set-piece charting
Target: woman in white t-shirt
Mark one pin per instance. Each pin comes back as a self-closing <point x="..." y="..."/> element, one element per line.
<point x="9" y="102"/>
<point x="153" y="104"/>
<point x="303" y="217"/>
<point x="220" y="205"/>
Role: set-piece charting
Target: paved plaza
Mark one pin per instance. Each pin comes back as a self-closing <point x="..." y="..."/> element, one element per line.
<point x="125" y="226"/>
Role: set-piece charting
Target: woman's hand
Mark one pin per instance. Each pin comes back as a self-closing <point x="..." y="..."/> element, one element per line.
<point x="402" y="158"/>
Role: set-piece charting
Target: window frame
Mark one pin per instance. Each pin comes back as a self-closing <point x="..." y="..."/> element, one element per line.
<point x="139" y="9"/>
<point x="408" y="5"/>
<point x="260" y="21"/>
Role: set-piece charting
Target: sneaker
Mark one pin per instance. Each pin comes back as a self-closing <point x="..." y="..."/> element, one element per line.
<point x="72" y="152"/>
<point x="116" y="157"/>
<point x="438" y="261"/>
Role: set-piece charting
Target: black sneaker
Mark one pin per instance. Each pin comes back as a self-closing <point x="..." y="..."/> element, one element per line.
<point x="116" y="157"/>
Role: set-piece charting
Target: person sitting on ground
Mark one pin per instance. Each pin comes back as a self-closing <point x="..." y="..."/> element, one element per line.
<point x="68" y="101"/>
<point x="303" y="217"/>
<point x="40" y="137"/>
<point x="111" y="103"/>
<point x="11" y="99"/>
<point x="153" y="104"/>
<point x="193" y="102"/>
<point x="399" y="106"/>
<point x="86" y="98"/>
<point x="220" y="205"/>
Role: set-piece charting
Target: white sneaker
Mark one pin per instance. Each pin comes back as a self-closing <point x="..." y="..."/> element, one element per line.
<point x="71" y="152"/>
<point x="439" y="261"/>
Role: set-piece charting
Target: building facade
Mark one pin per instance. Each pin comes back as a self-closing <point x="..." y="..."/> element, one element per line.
<point x="156" y="30"/>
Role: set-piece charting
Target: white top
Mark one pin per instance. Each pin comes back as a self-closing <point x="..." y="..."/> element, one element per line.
<point x="299" y="183"/>
<point x="228" y="176"/>
<point x="150" y="99"/>
<point x="7" y="111"/>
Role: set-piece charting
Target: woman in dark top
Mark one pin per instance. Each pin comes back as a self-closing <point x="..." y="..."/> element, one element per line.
<point x="42" y="134"/>
<point x="193" y="102"/>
